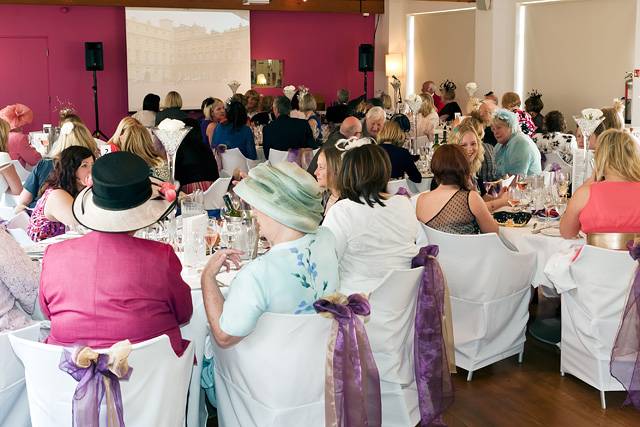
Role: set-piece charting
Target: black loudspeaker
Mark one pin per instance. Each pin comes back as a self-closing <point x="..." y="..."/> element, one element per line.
<point x="365" y="57"/>
<point x="93" y="56"/>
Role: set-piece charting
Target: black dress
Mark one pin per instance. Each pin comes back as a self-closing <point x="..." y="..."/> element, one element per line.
<point x="449" y="110"/>
<point x="194" y="160"/>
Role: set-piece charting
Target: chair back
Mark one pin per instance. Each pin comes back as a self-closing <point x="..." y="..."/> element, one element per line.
<point x="14" y="405"/>
<point x="394" y="185"/>
<point x="20" y="170"/>
<point x="391" y="324"/>
<point x="489" y="287"/>
<point x="600" y="295"/>
<point x="6" y="213"/>
<point x="277" y="156"/>
<point x="553" y="158"/>
<point x="275" y="376"/>
<point x="20" y="221"/>
<point x="154" y="395"/>
<point x="213" y="195"/>
<point x="233" y="159"/>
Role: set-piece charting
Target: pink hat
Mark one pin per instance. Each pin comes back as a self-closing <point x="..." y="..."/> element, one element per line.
<point x="17" y="115"/>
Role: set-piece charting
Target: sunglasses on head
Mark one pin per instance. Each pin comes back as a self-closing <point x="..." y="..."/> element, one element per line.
<point x="515" y="219"/>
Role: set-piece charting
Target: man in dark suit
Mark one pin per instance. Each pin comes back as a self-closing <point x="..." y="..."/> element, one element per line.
<point x="284" y="132"/>
<point x="338" y="112"/>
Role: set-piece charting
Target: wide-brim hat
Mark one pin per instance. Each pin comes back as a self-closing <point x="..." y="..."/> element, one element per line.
<point x="123" y="197"/>
<point x="17" y="115"/>
<point x="284" y="192"/>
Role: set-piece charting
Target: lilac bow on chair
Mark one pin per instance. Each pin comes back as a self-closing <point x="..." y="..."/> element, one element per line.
<point x="300" y="156"/>
<point x="625" y="355"/>
<point x="432" y="367"/>
<point x="402" y="191"/>
<point x="97" y="375"/>
<point x="352" y="385"/>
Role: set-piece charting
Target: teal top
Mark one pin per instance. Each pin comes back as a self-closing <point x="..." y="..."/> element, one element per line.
<point x="519" y="156"/>
<point x="288" y="279"/>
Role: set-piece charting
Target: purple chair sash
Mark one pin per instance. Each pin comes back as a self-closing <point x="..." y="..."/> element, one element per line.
<point x="402" y="191"/>
<point x="352" y="389"/>
<point x="435" y="388"/>
<point x="625" y="355"/>
<point x="94" y="382"/>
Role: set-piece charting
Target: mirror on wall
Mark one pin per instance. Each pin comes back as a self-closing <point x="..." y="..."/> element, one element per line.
<point x="267" y="72"/>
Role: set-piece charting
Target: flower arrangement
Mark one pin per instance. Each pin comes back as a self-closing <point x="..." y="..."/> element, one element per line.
<point x="471" y="88"/>
<point x="66" y="128"/>
<point x="414" y="102"/>
<point x="170" y="125"/>
<point x="289" y="91"/>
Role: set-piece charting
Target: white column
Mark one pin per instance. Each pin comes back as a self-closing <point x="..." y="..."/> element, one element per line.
<point x="635" y="102"/>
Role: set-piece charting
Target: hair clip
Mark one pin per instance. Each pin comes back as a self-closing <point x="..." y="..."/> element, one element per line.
<point x="353" y="142"/>
<point x="67" y="128"/>
<point x="534" y="94"/>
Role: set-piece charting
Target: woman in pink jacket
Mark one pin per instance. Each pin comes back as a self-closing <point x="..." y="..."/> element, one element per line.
<point x="19" y="115"/>
<point x="108" y="286"/>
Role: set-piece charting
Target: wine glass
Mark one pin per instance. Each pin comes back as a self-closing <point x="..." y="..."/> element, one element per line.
<point x="550" y="202"/>
<point x="211" y="235"/>
<point x="514" y="199"/>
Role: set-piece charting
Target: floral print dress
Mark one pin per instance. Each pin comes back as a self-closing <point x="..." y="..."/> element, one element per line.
<point x="561" y="143"/>
<point x="40" y="227"/>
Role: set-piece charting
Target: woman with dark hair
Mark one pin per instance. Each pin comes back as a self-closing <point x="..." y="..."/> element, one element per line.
<point x="327" y="172"/>
<point x="555" y="137"/>
<point x="453" y="207"/>
<point x="451" y="107"/>
<point x="150" y="106"/>
<point x="534" y="105"/>
<point x="375" y="231"/>
<point x="71" y="173"/>
<point x="235" y="133"/>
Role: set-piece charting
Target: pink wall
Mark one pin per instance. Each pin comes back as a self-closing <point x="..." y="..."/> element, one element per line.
<point x="320" y="50"/>
<point x="68" y="80"/>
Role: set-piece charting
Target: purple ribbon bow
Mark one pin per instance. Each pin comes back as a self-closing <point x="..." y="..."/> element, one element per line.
<point x="625" y="355"/>
<point x="403" y="192"/>
<point x="355" y="392"/>
<point x="435" y="388"/>
<point x="292" y="155"/>
<point x="91" y="389"/>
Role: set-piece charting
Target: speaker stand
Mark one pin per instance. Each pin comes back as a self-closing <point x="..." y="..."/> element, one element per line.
<point x="366" y="95"/>
<point x="97" y="133"/>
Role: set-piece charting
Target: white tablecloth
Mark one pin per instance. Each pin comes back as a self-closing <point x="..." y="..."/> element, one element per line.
<point x="544" y="246"/>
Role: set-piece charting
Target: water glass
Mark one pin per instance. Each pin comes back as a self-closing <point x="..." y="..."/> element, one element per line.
<point x="194" y="249"/>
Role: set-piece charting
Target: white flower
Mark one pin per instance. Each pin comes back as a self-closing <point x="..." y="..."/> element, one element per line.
<point x="66" y="128"/>
<point x="289" y="91"/>
<point x="591" y="113"/>
<point x="414" y="102"/>
<point x="471" y="88"/>
<point x="171" y="125"/>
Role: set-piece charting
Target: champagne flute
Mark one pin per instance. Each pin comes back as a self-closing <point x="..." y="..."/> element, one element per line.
<point x="211" y="235"/>
<point x="514" y="199"/>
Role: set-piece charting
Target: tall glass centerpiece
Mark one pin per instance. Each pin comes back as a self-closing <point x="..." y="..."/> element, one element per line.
<point x="233" y="85"/>
<point x="414" y="102"/>
<point x="171" y="132"/>
<point x="588" y="122"/>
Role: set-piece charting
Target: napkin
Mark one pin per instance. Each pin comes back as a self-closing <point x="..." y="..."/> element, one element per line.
<point x="193" y="230"/>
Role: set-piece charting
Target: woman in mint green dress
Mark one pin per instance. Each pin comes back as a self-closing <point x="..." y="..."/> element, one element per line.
<point x="300" y="267"/>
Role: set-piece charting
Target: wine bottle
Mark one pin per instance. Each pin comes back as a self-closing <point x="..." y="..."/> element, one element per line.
<point x="444" y="137"/>
<point x="231" y="211"/>
<point x="436" y="141"/>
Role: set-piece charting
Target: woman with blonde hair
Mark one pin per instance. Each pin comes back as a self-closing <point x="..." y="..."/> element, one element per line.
<point x="253" y="102"/>
<point x="125" y="123"/>
<point x="9" y="180"/>
<point x="392" y="138"/>
<point x="308" y="107"/>
<point x="427" y="118"/>
<point x="215" y="114"/>
<point x="172" y="105"/>
<point x="72" y="133"/>
<point x="609" y="202"/>
<point x="136" y="139"/>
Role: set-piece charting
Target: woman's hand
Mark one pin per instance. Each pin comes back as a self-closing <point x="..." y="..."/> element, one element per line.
<point x="223" y="257"/>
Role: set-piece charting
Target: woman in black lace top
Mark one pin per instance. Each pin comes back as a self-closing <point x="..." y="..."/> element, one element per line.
<point x="453" y="207"/>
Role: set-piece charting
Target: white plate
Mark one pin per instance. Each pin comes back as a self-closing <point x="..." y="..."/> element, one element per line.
<point x="551" y="231"/>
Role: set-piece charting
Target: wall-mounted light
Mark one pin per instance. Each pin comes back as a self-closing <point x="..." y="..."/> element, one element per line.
<point x="393" y="64"/>
<point x="261" y="80"/>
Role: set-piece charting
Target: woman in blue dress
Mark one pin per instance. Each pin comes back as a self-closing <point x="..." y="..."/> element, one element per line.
<point x="235" y="133"/>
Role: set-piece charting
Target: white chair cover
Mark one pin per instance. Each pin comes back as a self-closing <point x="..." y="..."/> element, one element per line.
<point x="395" y="185"/>
<point x="155" y="395"/>
<point x="275" y="376"/>
<point x="6" y="213"/>
<point x="196" y="331"/>
<point x="233" y="159"/>
<point x="213" y="195"/>
<point x="593" y="299"/>
<point x="277" y="156"/>
<point x="391" y="329"/>
<point x="489" y="286"/>
<point x="577" y="168"/>
<point x="421" y="237"/>
<point x="554" y="157"/>
<point x="14" y="405"/>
